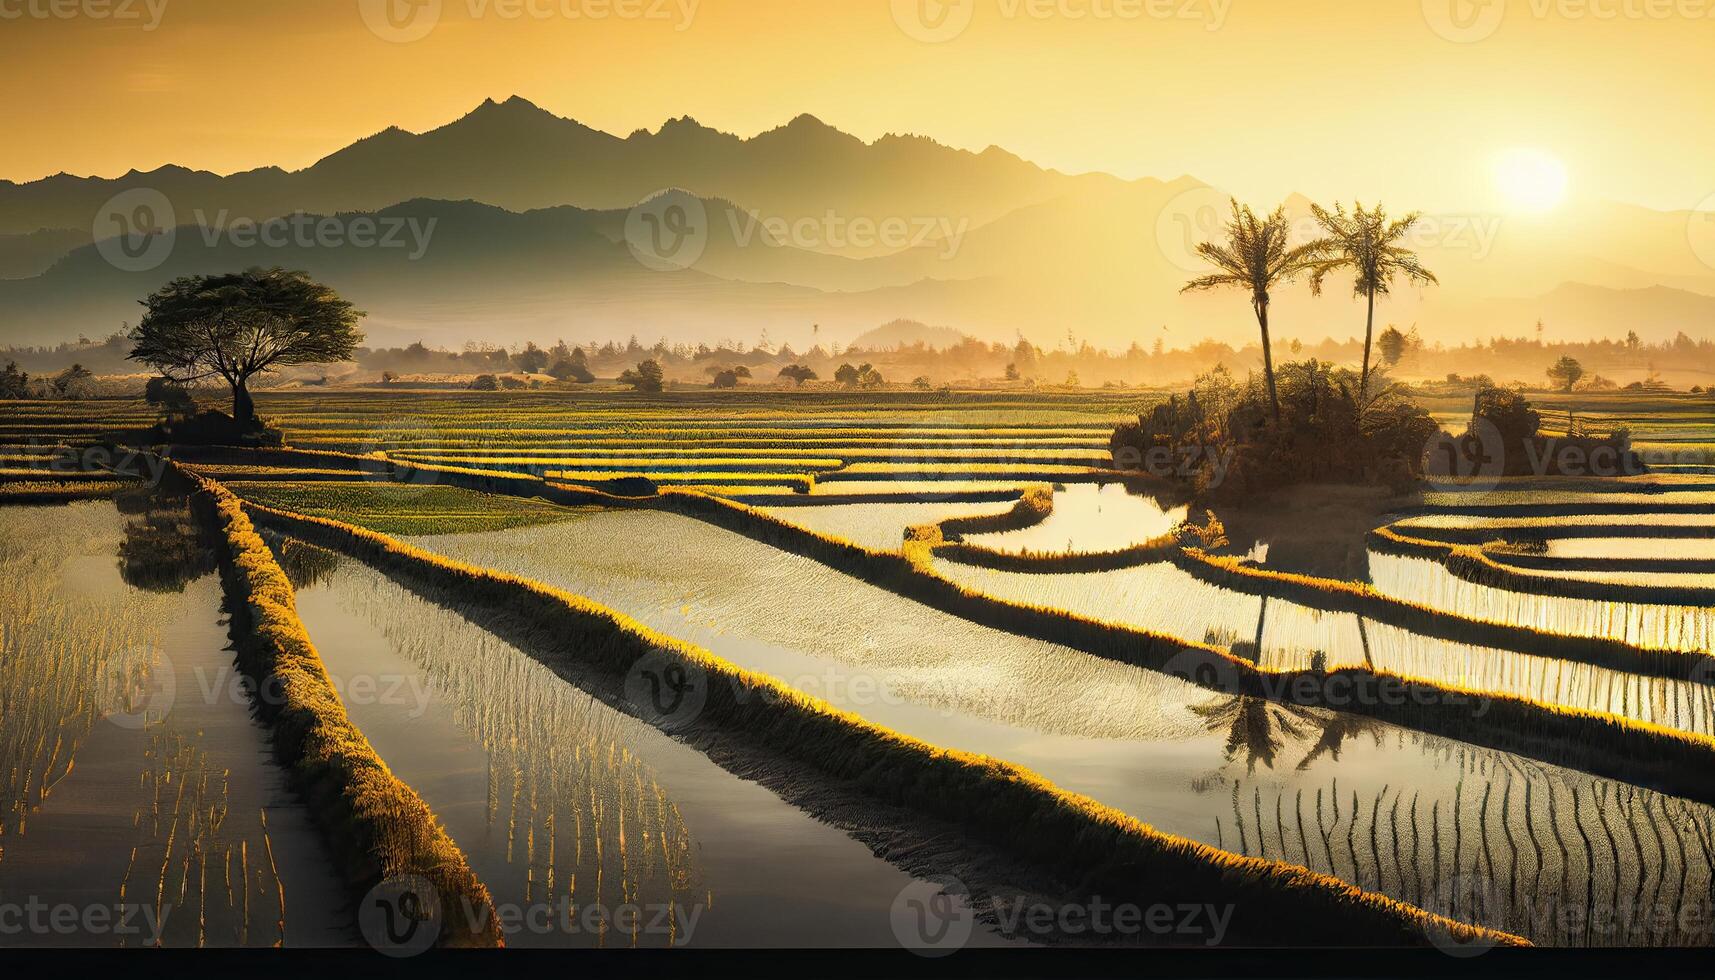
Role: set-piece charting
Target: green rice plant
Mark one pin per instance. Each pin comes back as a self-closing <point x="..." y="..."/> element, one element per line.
<point x="404" y="509"/>
<point x="580" y="812"/>
<point x="45" y="492"/>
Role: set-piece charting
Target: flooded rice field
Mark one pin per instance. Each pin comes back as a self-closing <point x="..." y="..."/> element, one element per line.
<point x="1088" y="518"/>
<point x="1653" y="625"/>
<point x="135" y="788"/>
<point x="560" y="802"/>
<point x="1309" y="786"/>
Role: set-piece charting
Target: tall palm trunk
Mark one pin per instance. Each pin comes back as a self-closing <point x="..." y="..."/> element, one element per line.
<point x="1369" y="331"/>
<point x="1261" y="306"/>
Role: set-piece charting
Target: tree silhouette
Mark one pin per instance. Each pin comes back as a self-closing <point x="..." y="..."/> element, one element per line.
<point x="1367" y="244"/>
<point x="237" y="325"/>
<point x="1255" y="257"/>
<point x="646" y="377"/>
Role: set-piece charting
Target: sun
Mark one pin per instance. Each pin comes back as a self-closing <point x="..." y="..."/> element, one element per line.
<point x="1531" y="180"/>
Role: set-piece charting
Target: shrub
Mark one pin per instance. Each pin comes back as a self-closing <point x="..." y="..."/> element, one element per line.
<point x="1223" y="442"/>
<point x="646" y="377"/>
<point x="575" y="368"/>
<point x="485" y="382"/>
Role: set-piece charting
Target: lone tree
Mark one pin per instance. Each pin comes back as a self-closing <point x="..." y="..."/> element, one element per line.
<point x="1393" y="344"/>
<point x="1256" y="257"/>
<point x="240" y="324"/>
<point x="797" y="373"/>
<point x="1367" y="244"/>
<point x="647" y="377"/>
<point x="1565" y="373"/>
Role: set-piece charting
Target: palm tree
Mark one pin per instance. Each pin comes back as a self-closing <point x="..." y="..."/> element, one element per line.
<point x="1367" y="244"/>
<point x="1256" y="257"/>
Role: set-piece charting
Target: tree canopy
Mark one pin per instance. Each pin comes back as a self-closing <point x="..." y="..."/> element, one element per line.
<point x="646" y="377"/>
<point x="237" y="325"/>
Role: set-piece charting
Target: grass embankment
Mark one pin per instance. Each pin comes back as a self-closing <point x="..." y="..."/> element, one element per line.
<point x="1473" y="564"/>
<point x="45" y="492"/>
<point x="376" y="826"/>
<point x="1071" y="838"/>
<point x="1604" y="745"/>
<point x="945" y="541"/>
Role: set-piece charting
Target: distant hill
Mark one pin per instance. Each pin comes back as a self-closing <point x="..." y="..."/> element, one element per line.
<point x="804" y="225"/>
<point x="22" y="256"/>
<point x="520" y="157"/>
<point x="909" y="333"/>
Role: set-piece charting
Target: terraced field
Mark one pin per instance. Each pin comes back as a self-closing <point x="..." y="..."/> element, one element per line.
<point x="1511" y="715"/>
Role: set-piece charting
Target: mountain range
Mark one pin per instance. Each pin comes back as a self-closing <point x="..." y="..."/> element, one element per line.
<point x="513" y="223"/>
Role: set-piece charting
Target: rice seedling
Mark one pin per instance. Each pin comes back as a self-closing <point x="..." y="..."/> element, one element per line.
<point x="573" y="809"/>
<point x="1622" y="873"/>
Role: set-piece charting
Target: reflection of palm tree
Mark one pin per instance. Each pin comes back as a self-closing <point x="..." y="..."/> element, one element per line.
<point x="1256" y="724"/>
<point x="1337" y="727"/>
<point x="1252" y="724"/>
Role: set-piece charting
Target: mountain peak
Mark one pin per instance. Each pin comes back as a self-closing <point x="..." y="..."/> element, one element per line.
<point x="805" y="128"/>
<point x="515" y="107"/>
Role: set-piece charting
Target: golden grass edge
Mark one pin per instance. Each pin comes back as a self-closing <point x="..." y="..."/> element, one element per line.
<point x="377" y="825"/>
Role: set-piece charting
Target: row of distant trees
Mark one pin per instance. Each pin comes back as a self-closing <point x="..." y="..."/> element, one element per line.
<point x="74" y="382"/>
<point x="647" y="376"/>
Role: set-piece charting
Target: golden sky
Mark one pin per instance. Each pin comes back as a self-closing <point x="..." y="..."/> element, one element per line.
<point x="1365" y="98"/>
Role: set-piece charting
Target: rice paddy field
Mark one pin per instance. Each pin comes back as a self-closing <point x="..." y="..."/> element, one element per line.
<point x="962" y="572"/>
